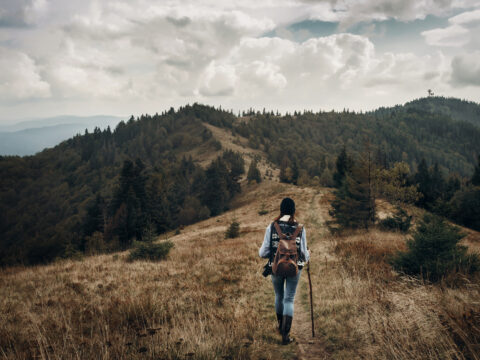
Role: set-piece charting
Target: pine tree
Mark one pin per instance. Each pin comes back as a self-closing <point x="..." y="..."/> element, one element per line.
<point x="434" y="251"/>
<point x="216" y="193"/>
<point x="295" y="172"/>
<point x="235" y="164"/>
<point x="344" y="164"/>
<point x="233" y="230"/>
<point x="438" y="184"/>
<point x="95" y="219"/>
<point x="129" y="204"/>
<point x="283" y="170"/>
<point x="476" y="174"/>
<point x="422" y="178"/>
<point x="253" y="172"/>
<point x="354" y="203"/>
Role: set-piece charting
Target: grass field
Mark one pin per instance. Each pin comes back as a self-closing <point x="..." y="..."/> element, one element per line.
<point x="208" y="300"/>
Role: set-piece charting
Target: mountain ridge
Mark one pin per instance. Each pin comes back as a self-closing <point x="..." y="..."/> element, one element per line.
<point x="52" y="193"/>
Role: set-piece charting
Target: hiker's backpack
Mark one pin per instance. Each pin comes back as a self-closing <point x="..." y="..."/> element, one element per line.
<point x="286" y="258"/>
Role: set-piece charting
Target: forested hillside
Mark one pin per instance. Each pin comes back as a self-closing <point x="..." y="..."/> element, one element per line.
<point x="116" y="183"/>
<point x="310" y="142"/>
<point x="460" y="110"/>
<point x="100" y="191"/>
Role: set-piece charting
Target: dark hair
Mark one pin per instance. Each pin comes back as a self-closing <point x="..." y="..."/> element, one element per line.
<point x="287" y="207"/>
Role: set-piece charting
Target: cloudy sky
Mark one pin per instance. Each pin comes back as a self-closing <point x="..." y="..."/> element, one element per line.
<point x="85" y="57"/>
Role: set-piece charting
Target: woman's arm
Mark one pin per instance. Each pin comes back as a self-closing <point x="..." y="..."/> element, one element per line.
<point x="264" y="251"/>
<point x="303" y="246"/>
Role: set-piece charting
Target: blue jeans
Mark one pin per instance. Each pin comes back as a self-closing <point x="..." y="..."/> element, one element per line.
<point x="285" y="289"/>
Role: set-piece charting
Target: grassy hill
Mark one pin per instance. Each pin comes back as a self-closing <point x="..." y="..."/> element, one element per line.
<point x="208" y="300"/>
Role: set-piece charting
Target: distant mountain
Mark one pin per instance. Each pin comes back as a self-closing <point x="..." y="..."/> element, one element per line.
<point x="457" y="109"/>
<point x="30" y="137"/>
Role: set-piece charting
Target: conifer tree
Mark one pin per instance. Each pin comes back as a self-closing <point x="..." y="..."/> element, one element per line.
<point x="476" y="174"/>
<point x="344" y="164"/>
<point x="354" y="203"/>
<point x="283" y="169"/>
<point x="253" y="172"/>
<point x="216" y="193"/>
<point x="434" y="251"/>
<point x="422" y="178"/>
<point x="295" y="172"/>
<point x="129" y="203"/>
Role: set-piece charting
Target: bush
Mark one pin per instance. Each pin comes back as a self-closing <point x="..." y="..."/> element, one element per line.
<point x="150" y="251"/>
<point x="433" y="252"/>
<point x="263" y="210"/>
<point x="400" y="221"/>
<point x="233" y="230"/>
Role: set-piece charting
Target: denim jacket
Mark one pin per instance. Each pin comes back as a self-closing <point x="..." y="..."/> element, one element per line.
<point x="264" y="251"/>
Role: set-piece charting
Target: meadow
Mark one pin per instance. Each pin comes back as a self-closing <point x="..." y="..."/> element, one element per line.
<point x="208" y="300"/>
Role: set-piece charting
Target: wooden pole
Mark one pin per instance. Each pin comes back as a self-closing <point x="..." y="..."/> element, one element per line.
<point x="311" y="298"/>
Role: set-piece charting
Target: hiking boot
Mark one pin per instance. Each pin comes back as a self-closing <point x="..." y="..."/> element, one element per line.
<point x="279" y="320"/>
<point x="286" y="326"/>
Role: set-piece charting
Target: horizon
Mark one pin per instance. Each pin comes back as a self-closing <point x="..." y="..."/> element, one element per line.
<point x="116" y="57"/>
<point x="13" y="122"/>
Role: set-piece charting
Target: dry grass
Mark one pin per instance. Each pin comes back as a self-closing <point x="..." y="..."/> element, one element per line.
<point x="208" y="300"/>
<point x="366" y="310"/>
<point x="239" y="144"/>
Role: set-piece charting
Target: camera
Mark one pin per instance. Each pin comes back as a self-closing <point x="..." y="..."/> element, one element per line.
<point x="267" y="269"/>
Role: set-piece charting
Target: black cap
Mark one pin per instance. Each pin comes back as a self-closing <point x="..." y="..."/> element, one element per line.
<point x="287" y="207"/>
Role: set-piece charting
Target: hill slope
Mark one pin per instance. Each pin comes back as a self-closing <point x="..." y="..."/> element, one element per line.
<point x="45" y="198"/>
<point x="460" y="110"/>
<point x="209" y="300"/>
<point x="53" y="202"/>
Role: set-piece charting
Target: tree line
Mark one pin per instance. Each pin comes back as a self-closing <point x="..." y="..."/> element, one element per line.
<point x="101" y="189"/>
<point x="114" y="182"/>
<point x="360" y="180"/>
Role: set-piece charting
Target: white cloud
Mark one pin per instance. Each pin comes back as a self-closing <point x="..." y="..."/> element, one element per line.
<point x="466" y="69"/>
<point x="166" y="49"/>
<point x="355" y="11"/>
<point x="466" y="18"/>
<point x="273" y="68"/>
<point x="463" y="30"/>
<point x="455" y="36"/>
<point x="20" y="77"/>
<point x="219" y="80"/>
<point x="87" y="72"/>
<point x="148" y="54"/>
<point x="20" y="13"/>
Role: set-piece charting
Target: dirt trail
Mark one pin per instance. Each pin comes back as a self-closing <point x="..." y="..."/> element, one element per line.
<point x="310" y="347"/>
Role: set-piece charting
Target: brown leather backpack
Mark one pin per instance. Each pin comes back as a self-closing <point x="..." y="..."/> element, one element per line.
<point x="285" y="260"/>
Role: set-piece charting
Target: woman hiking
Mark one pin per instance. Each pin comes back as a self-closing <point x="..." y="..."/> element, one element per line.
<point x="285" y="275"/>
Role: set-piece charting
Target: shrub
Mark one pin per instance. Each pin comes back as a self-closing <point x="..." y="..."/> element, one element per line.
<point x="150" y="251"/>
<point x="262" y="210"/>
<point x="233" y="230"/>
<point x="434" y="252"/>
<point x="400" y="221"/>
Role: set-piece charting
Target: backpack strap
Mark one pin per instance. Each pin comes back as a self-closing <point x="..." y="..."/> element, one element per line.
<point x="298" y="230"/>
<point x="295" y="234"/>
<point x="277" y="228"/>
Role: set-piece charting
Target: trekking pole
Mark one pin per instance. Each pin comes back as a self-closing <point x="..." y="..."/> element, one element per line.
<point x="311" y="298"/>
